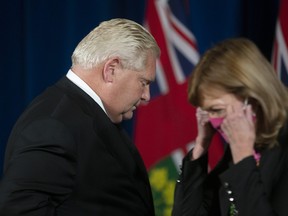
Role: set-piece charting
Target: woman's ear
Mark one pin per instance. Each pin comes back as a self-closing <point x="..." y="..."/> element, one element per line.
<point x="110" y="66"/>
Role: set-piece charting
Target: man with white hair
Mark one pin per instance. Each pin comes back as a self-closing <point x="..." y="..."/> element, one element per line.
<point x="67" y="154"/>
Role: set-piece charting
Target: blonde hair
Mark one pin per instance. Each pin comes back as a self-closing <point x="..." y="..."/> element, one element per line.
<point x="121" y="38"/>
<point x="237" y="66"/>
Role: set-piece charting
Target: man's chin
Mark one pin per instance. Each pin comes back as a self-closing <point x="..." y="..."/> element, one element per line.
<point x="119" y="118"/>
<point x="127" y="115"/>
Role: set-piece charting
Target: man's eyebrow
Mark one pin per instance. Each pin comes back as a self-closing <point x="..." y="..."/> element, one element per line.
<point x="148" y="80"/>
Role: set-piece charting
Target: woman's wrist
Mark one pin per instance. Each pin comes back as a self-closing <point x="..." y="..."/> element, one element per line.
<point x="200" y="147"/>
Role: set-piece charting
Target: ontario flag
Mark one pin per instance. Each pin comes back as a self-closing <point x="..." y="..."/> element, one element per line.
<point x="165" y="128"/>
<point x="280" y="49"/>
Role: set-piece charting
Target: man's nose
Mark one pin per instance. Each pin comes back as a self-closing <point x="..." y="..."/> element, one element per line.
<point x="146" y="93"/>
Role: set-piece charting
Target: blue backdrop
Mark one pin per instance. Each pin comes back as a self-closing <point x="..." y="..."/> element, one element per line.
<point x="38" y="37"/>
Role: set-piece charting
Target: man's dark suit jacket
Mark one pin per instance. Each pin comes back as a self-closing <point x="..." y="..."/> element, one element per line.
<point x="66" y="158"/>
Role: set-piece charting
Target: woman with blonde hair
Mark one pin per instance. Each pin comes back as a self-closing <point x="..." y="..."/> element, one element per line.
<point x="238" y="95"/>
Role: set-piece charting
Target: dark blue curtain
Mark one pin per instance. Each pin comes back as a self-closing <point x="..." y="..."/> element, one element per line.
<point x="38" y="37"/>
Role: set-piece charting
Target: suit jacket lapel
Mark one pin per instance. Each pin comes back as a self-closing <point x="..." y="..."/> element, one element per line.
<point x="134" y="151"/>
<point x="121" y="148"/>
<point x="142" y="172"/>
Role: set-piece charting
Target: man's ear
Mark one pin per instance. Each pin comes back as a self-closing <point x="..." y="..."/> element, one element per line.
<point x="110" y="66"/>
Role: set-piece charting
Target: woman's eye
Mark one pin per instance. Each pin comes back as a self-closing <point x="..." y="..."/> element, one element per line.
<point x="218" y="112"/>
<point x="213" y="112"/>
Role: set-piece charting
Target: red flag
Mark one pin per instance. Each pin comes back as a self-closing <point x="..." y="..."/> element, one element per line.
<point x="280" y="50"/>
<point x="166" y="128"/>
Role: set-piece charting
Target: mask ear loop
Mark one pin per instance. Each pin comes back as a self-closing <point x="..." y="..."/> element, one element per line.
<point x="245" y="106"/>
<point x="245" y="103"/>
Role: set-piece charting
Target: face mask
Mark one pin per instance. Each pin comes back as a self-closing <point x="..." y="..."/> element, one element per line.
<point x="216" y="124"/>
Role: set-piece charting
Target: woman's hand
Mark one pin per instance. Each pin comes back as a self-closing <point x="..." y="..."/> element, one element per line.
<point x="239" y="128"/>
<point x="205" y="134"/>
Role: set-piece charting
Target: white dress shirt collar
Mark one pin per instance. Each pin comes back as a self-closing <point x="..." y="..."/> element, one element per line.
<point x="81" y="84"/>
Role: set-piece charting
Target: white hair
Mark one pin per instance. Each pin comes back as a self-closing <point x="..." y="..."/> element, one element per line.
<point x="121" y="38"/>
